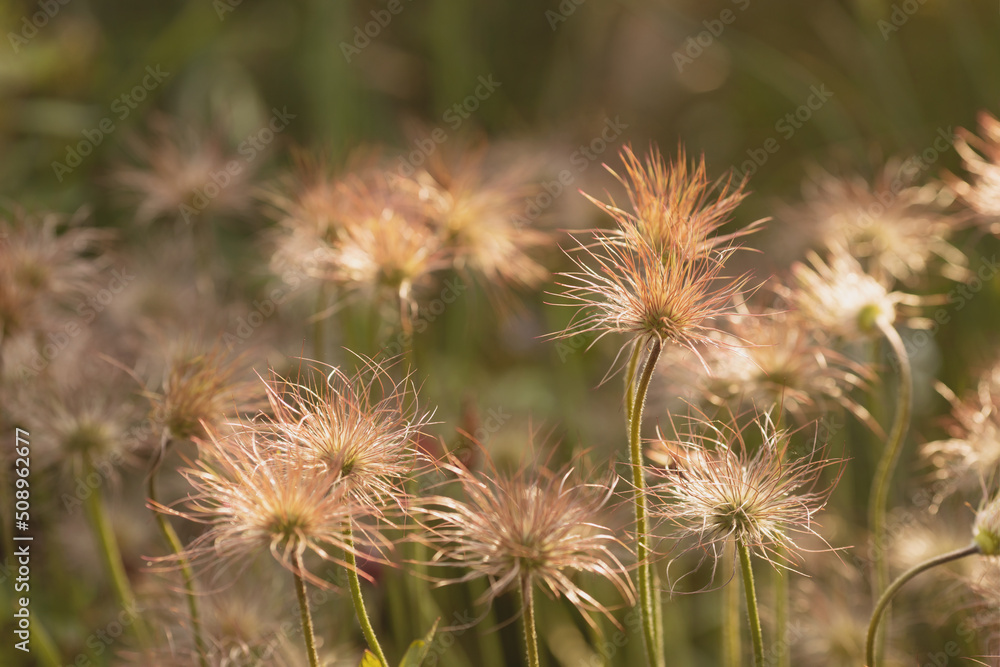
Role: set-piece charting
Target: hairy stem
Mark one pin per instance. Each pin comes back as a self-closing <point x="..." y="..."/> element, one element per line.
<point x="890" y="456"/>
<point x="752" y="614"/>
<point x="781" y="606"/>
<point x="112" y="554"/>
<point x="170" y="535"/>
<point x="732" y="644"/>
<point x="646" y="594"/>
<point x="308" y="633"/>
<point x="528" y="608"/>
<point x="883" y="603"/>
<point x="356" y="597"/>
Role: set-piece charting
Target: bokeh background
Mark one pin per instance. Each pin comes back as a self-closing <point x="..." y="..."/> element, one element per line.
<point x="869" y="80"/>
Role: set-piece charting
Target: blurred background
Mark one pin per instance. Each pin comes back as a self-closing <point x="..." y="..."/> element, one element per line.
<point x="766" y="88"/>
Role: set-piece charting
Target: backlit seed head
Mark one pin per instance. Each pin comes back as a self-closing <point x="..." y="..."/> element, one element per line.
<point x="673" y="206"/>
<point x="542" y="526"/>
<point x="896" y="227"/>
<point x="360" y="429"/>
<point x="981" y="158"/>
<point x="256" y="497"/>
<point x="718" y="489"/>
<point x="837" y="296"/>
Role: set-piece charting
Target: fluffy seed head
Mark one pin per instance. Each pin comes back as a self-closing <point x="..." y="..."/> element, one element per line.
<point x="256" y="496"/>
<point x="837" y="296"/>
<point x="359" y="429"/>
<point x="542" y="526"/>
<point x="717" y="489"/>
<point x="674" y="207"/>
<point x="628" y="288"/>
<point x="981" y="158"/>
<point x="899" y="228"/>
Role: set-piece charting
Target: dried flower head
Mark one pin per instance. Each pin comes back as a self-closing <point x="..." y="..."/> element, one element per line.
<point x="675" y="209"/>
<point x="981" y="158"/>
<point x="628" y="288"/>
<point x="970" y="458"/>
<point x="256" y="496"/>
<point x="176" y="172"/>
<point x="541" y="526"/>
<point x="45" y="260"/>
<point x="899" y="227"/>
<point x="199" y="387"/>
<point x="386" y="252"/>
<point x="359" y="429"/>
<point x="718" y="489"/>
<point x="476" y="215"/>
<point x="840" y="298"/>
<point x="771" y="360"/>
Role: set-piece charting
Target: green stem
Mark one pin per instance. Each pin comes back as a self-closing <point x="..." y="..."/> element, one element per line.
<point x="633" y="365"/>
<point x="883" y="602"/>
<point x="359" y="601"/>
<point x="528" y="608"/>
<point x="752" y="614"/>
<point x="732" y="646"/>
<point x="890" y="456"/>
<point x="319" y="326"/>
<point x="45" y="647"/>
<point x="781" y="607"/>
<point x="112" y="554"/>
<point x="170" y="535"/>
<point x="646" y="594"/>
<point x="307" y="623"/>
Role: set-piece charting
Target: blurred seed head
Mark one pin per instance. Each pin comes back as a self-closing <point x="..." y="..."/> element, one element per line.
<point x="173" y="169"/>
<point x="716" y="489"/>
<point x="542" y="526"/>
<point x="46" y="260"/>
<point x="837" y="296"/>
<point x="986" y="529"/>
<point x="970" y="458"/>
<point x="981" y="159"/>
<point x="896" y="226"/>
<point x="476" y="212"/>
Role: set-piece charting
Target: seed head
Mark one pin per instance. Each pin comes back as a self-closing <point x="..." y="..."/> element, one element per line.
<point x="674" y="207"/>
<point x="359" y="429"/>
<point x="257" y="497"/>
<point x="898" y="227"/>
<point x="718" y="490"/>
<point x="542" y="526"/>
<point x="838" y="297"/>
<point x="981" y="158"/>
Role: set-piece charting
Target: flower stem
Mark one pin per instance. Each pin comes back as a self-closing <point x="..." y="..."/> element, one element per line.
<point x="890" y="455"/>
<point x="528" y="608"/>
<point x="883" y="602"/>
<point x="646" y="594"/>
<point x="112" y="554"/>
<point x="359" y="601"/>
<point x="307" y="623"/>
<point x="781" y="606"/>
<point x="732" y="649"/>
<point x="752" y="613"/>
<point x="633" y="365"/>
<point x="319" y="326"/>
<point x="170" y="535"/>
